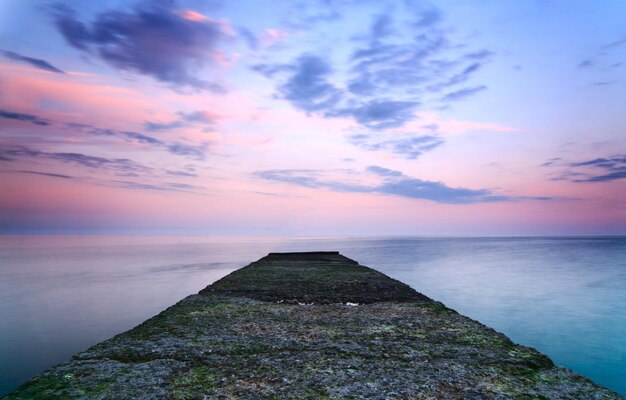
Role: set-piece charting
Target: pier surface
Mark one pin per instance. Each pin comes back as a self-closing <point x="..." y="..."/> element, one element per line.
<point x="309" y="326"/>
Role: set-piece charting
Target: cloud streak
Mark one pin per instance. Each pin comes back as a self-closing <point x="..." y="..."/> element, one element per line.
<point x="177" y="148"/>
<point x="49" y="174"/>
<point x="33" y="119"/>
<point x="408" y="147"/>
<point x="118" y="165"/>
<point x="394" y="183"/>
<point x="602" y="169"/>
<point x="185" y="119"/>
<point x="463" y="93"/>
<point x="34" y="62"/>
<point x="614" y="167"/>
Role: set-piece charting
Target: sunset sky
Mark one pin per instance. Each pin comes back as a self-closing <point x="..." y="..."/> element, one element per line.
<point x="313" y="118"/>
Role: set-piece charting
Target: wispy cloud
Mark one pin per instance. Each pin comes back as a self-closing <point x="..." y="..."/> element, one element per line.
<point x="167" y="187"/>
<point x="17" y="116"/>
<point x="463" y="93"/>
<point x="614" y="44"/>
<point x="185" y="119"/>
<point x="119" y="165"/>
<point x="156" y="39"/>
<point x="50" y="174"/>
<point x="389" y="73"/>
<point x="35" y="62"/>
<point x="614" y="167"/>
<point x="603" y="169"/>
<point x="410" y="147"/>
<point x="394" y="183"/>
<point x="177" y="148"/>
<point x="181" y="173"/>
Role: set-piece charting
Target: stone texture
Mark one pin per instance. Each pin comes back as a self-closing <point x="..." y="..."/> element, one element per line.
<point x="287" y="327"/>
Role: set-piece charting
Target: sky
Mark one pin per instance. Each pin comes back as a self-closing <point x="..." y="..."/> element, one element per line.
<point x="462" y="118"/>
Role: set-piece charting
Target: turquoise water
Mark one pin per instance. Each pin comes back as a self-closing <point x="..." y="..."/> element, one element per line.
<point x="564" y="296"/>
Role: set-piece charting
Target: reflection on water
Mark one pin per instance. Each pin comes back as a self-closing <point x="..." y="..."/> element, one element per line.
<point x="564" y="296"/>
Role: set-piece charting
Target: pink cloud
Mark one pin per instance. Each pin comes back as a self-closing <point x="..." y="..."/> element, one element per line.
<point x="453" y="126"/>
<point x="271" y="36"/>
<point x="191" y="15"/>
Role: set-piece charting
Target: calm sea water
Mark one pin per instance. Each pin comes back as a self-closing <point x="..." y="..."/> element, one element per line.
<point x="563" y="296"/>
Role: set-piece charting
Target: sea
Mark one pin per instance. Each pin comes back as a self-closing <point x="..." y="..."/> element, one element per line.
<point x="565" y="296"/>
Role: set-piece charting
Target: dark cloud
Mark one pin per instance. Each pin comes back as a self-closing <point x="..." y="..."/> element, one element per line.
<point x="75" y="125"/>
<point x="168" y="187"/>
<point x="160" y="126"/>
<point x="35" y="62"/>
<point x="120" y="165"/>
<point x="141" y="138"/>
<point x="428" y="17"/>
<point x="308" y="88"/>
<point x="270" y="70"/>
<point x="394" y="183"/>
<point x="382" y="26"/>
<point x="605" y="178"/>
<point x="604" y="83"/>
<point x="249" y="37"/>
<point x="409" y="147"/>
<point x="181" y="149"/>
<point x="463" y="93"/>
<point x="614" y="44"/>
<point x="300" y="177"/>
<point x="479" y="55"/>
<point x="103" y="132"/>
<point x="46" y="174"/>
<point x="33" y="119"/>
<point x="198" y="116"/>
<point x="375" y="169"/>
<point x="115" y="164"/>
<point x="456" y="79"/>
<point x="606" y="163"/>
<point x="551" y="162"/>
<point x="379" y="114"/>
<point x="614" y="168"/>
<point x="155" y="40"/>
<point x="603" y="169"/>
<point x="269" y="194"/>
<point x="195" y="152"/>
<point x="181" y="173"/>
<point x="585" y="64"/>
<point x="437" y="192"/>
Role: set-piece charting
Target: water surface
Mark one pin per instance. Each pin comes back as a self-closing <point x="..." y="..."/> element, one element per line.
<point x="564" y="296"/>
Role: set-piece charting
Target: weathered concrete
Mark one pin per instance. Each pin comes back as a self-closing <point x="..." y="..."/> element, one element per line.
<point x="287" y="326"/>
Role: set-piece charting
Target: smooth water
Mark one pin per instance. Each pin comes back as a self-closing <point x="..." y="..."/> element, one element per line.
<point x="564" y="296"/>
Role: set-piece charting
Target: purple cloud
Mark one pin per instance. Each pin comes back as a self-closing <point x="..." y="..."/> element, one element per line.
<point x="157" y="40"/>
